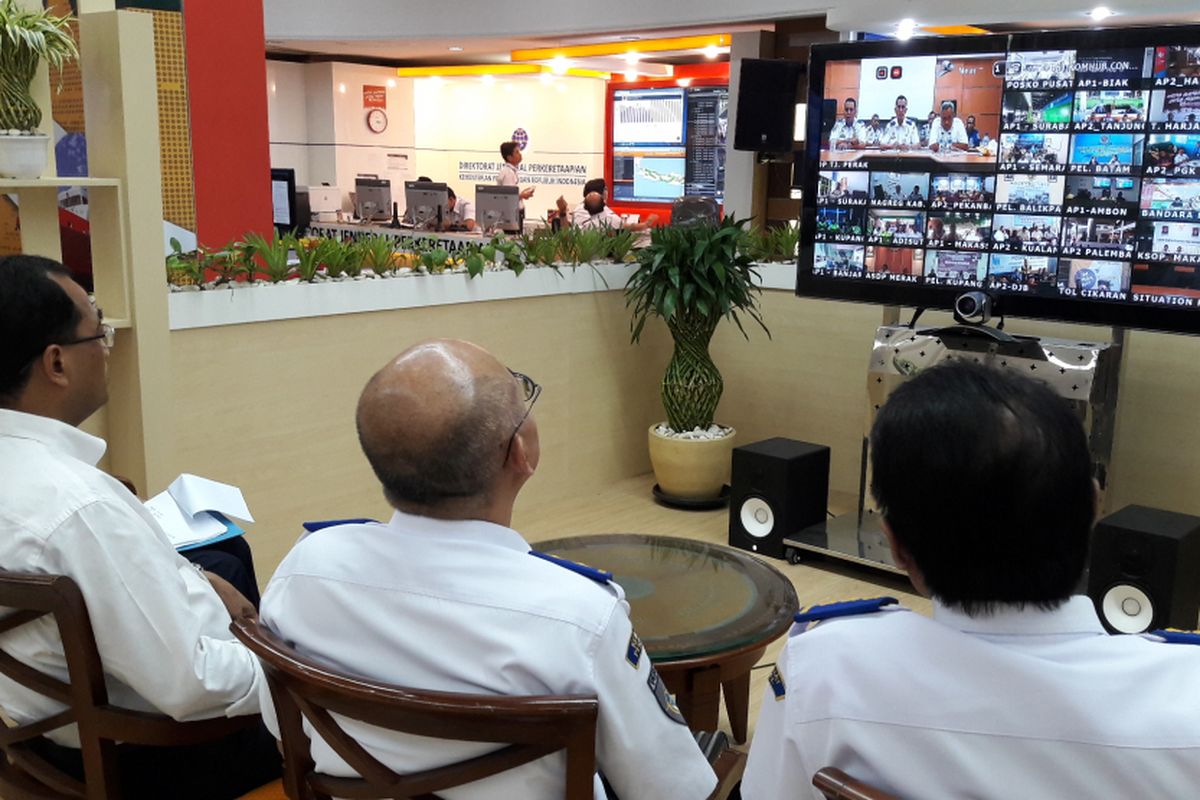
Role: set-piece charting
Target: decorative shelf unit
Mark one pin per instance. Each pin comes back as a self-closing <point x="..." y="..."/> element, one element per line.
<point x="125" y="216"/>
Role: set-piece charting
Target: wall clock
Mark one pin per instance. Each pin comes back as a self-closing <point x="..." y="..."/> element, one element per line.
<point x="377" y="120"/>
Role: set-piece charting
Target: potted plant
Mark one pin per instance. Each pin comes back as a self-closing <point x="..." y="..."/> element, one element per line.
<point x="692" y="277"/>
<point x="26" y="37"/>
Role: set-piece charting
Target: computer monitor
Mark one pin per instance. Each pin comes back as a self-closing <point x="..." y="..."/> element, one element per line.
<point x="372" y="197"/>
<point x="425" y="202"/>
<point x="498" y="207"/>
<point x="283" y="199"/>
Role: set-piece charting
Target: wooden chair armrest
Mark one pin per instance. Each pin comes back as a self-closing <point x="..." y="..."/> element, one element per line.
<point x="139" y="727"/>
<point x="729" y="767"/>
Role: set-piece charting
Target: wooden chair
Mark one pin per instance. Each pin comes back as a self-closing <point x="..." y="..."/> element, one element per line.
<point x="527" y="727"/>
<point x="837" y="785"/>
<point x="24" y="775"/>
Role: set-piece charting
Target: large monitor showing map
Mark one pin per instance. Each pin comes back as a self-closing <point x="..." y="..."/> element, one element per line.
<point x="668" y="142"/>
<point x="1057" y="171"/>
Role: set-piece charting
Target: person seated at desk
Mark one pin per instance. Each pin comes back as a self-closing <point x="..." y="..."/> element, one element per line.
<point x="460" y="213"/>
<point x="594" y="211"/>
<point x="161" y="624"/>
<point x="872" y="133"/>
<point x="948" y="133"/>
<point x="901" y="132"/>
<point x="1013" y="688"/>
<point x="973" y="135"/>
<point x="847" y="131"/>
<point x="446" y="596"/>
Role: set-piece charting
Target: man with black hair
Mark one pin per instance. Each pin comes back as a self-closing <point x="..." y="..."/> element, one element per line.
<point x="448" y="597"/>
<point x="509" y="174"/>
<point x="460" y="213"/>
<point x="901" y="133"/>
<point x="1013" y="689"/>
<point x="161" y="624"/>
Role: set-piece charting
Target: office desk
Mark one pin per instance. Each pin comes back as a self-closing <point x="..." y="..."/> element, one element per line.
<point x="704" y="612"/>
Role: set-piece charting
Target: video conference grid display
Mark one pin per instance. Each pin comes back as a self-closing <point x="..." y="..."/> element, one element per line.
<point x="669" y="142"/>
<point x="1064" y="173"/>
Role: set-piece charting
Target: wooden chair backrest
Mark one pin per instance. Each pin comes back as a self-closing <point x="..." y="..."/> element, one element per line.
<point x="837" y="785"/>
<point x="24" y="774"/>
<point x="528" y="728"/>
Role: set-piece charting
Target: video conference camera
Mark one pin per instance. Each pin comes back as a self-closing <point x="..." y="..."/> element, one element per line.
<point x="973" y="308"/>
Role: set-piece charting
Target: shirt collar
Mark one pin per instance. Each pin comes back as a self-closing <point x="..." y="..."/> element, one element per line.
<point x="1076" y="616"/>
<point x="460" y="530"/>
<point x="52" y="433"/>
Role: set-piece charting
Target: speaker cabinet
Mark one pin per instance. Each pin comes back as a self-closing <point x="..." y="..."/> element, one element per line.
<point x="766" y="106"/>
<point x="1145" y="570"/>
<point x="778" y="487"/>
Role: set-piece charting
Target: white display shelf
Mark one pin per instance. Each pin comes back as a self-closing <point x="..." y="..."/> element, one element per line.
<point x="212" y="308"/>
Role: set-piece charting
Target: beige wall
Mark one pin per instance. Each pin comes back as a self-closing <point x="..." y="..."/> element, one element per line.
<point x="269" y="406"/>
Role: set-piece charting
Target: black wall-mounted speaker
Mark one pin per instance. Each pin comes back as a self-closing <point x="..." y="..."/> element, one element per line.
<point x="1144" y="570"/>
<point x="778" y="487"/>
<point x="766" y="106"/>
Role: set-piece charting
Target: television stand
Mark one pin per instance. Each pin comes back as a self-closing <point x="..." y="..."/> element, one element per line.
<point x="1086" y="374"/>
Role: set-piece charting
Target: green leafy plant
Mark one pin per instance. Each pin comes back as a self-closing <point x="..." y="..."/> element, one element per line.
<point x="435" y="259"/>
<point x="26" y="37"/>
<point x="544" y="247"/>
<point x="267" y="256"/>
<point x="377" y="253"/>
<point x="472" y="258"/>
<point x="620" y="244"/>
<point x="341" y="258"/>
<point x="226" y="264"/>
<point x="308" y="256"/>
<point x="591" y="244"/>
<point x="693" y="278"/>
<point x="184" y="269"/>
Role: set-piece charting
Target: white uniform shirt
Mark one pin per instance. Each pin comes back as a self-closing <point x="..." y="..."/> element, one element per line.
<point x="607" y="218"/>
<point x="845" y="133"/>
<point x="461" y="606"/>
<point x="463" y="210"/>
<point x="162" y="632"/>
<point x="947" y="138"/>
<point x="897" y="134"/>
<point x="508" y="176"/>
<point x="1029" y="704"/>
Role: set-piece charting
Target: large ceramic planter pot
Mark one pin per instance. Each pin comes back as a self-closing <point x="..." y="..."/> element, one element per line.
<point x="691" y="469"/>
<point x="23" y="157"/>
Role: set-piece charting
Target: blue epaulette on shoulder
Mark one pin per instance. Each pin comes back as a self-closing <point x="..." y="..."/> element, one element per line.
<point x="313" y="527"/>
<point x="597" y="575"/>
<point x="1173" y="636"/>
<point x="848" y="608"/>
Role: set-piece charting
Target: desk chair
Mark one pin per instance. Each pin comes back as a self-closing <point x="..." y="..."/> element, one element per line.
<point x="24" y="775"/>
<point x="689" y="211"/>
<point x="837" y="785"/>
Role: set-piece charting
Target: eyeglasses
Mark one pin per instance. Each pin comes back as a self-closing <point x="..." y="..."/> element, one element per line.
<point x="107" y="333"/>
<point x="533" y="391"/>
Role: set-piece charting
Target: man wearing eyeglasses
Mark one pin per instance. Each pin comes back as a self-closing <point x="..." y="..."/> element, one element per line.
<point x="161" y="625"/>
<point x="446" y="596"/>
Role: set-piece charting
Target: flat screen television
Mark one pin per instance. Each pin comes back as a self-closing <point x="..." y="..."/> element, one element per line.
<point x="1058" y="171"/>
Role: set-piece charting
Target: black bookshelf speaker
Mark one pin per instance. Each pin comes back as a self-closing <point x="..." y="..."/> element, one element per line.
<point x="766" y="106"/>
<point x="778" y="487"/>
<point x="1144" y="570"/>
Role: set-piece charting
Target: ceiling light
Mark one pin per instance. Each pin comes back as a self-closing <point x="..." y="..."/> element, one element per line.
<point x="545" y="78"/>
<point x="711" y="52"/>
<point x="558" y="65"/>
<point x="454" y="48"/>
<point x="632" y="58"/>
<point x="905" y="28"/>
<point x="684" y="82"/>
<point x="631" y="75"/>
<point x="1100" y="13"/>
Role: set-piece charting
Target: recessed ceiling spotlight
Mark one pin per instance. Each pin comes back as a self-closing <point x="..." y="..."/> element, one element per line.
<point x="558" y="65"/>
<point x="631" y="75"/>
<point x="632" y="57"/>
<point x="711" y="52"/>
<point x="905" y="29"/>
<point x="454" y="48"/>
<point x="1100" y="13"/>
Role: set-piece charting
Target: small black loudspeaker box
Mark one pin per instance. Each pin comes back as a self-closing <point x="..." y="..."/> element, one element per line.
<point x="766" y="106"/>
<point x="779" y="487"/>
<point x="1145" y="570"/>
